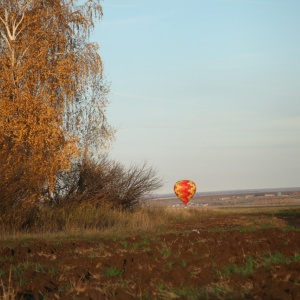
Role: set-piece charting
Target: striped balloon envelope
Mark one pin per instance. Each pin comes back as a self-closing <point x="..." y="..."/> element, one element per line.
<point x="185" y="190"/>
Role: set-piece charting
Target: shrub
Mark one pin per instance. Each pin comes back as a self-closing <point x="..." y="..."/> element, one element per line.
<point x="110" y="183"/>
<point x="87" y="197"/>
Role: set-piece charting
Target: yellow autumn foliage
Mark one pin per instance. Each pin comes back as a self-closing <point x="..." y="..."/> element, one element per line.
<point x="46" y="64"/>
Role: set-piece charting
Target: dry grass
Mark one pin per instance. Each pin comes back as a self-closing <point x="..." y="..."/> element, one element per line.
<point x="86" y="220"/>
<point x="8" y="292"/>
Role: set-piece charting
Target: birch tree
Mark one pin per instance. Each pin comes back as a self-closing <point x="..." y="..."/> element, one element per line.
<point x="52" y="92"/>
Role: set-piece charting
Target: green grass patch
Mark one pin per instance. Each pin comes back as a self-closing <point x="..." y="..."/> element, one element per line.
<point x="279" y="258"/>
<point x="212" y="291"/>
<point x="183" y="263"/>
<point x="292" y="212"/>
<point x="169" y="265"/>
<point x="251" y="264"/>
<point x="22" y="281"/>
<point x="40" y="268"/>
<point x="66" y="287"/>
<point x="246" y="269"/>
<point x="187" y="292"/>
<point x="124" y="244"/>
<point x="252" y="228"/>
<point x="290" y="228"/>
<point x="166" y="252"/>
<point x="136" y="246"/>
<point x="112" y="272"/>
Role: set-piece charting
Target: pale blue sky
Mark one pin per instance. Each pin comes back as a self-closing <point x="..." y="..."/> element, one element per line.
<point x="207" y="90"/>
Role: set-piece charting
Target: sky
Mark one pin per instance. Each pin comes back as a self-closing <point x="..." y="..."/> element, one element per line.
<point x="205" y="90"/>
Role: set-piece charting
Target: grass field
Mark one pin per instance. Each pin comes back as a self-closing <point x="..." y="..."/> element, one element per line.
<point x="157" y="253"/>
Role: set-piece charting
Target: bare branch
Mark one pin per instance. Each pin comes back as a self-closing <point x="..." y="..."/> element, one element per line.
<point x="19" y="23"/>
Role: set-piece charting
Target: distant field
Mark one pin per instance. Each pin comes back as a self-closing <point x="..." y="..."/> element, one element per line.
<point x="240" y="198"/>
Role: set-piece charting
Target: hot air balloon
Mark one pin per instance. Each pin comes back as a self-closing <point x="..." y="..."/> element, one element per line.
<point x="185" y="190"/>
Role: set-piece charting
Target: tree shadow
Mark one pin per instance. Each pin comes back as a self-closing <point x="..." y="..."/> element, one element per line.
<point x="291" y="217"/>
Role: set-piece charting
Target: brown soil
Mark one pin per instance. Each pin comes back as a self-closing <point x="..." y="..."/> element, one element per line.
<point x="216" y="258"/>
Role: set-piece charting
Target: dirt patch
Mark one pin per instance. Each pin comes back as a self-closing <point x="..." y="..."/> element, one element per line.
<point x="231" y="256"/>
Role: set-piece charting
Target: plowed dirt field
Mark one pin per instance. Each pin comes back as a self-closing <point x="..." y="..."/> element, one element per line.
<point x="218" y="257"/>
